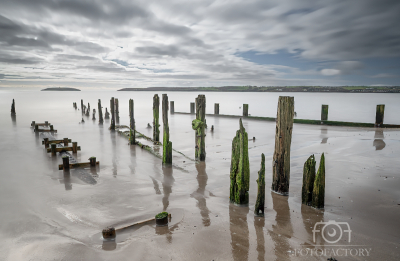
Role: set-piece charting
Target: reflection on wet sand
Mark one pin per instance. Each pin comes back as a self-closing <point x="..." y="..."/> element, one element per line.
<point x="109" y="245"/>
<point x="114" y="159"/>
<point x="199" y="193"/>
<point x="166" y="230"/>
<point x="324" y="132"/>
<point x="239" y="232"/>
<point x="379" y="144"/>
<point x="133" y="158"/>
<point x="167" y="183"/>
<point x="67" y="180"/>
<point x="311" y="217"/>
<point x="282" y="230"/>
<point x="259" y="223"/>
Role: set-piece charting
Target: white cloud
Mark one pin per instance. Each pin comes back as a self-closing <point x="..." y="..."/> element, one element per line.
<point x="330" y="72"/>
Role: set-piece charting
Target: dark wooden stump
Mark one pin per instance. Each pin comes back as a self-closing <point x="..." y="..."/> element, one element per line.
<point x="109" y="233"/>
<point x="245" y="110"/>
<point x="318" y="198"/>
<point x="260" y="202"/>
<point x="13" y="107"/>
<point x="192" y="108"/>
<point x="167" y="145"/>
<point x="46" y="142"/>
<point x="162" y="219"/>
<point x="112" y="125"/>
<point x="65" y="140"/>
<point x="132" y="130"/>
<point x="216" y="108"/>
<point x="100" y="112"/>
<point x="156" y="120"/>
<point x="75" y="147"/>
<point x="324" y="112"/>
<point x="53" y="149"/>
<point x="380" y="113"/>
<point x="65" y="160"/>
<point x="199" y="124"/>
<point x="116" y="110"/>
<point x="172" y="107"/>
<point x="82" y="106"/>
<point x="51" y="128"/>
<point x="308" y="180"/>
<point x="92" y="161"/>
<point x="106" y="115"/>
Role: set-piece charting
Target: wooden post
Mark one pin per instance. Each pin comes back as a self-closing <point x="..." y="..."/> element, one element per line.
<point x="199" y="125"/>
<point x="106" y="115"/>
<point x="245" y="110"/>
<point x="94" y="114"/>
<point x="75" y="147"/>
<point x="13" y="107"/>
<point x="33" y="124"/>
<point x="172" y="107"/>
<point x="116" y="110"/>
<point x="308" y="181"/>
<point x="324" y="112"/>
<point x="283" y="139"/>
<point x="216" y="108"/>
<point x="132" y="130"/>
<point x="65" y="162"/>
<point x="240" y="167"/>
<point x="100" y="112"/>
<point x="65" y="141"/>
<point x="192" y="108"/>
<point x="92" y="161"/>
<point x="36" y="128"/>
<point x="53" y="149"/>
<point x="167" y="145"/>
<point x="46" y="123"/>
<point x="88" y="110"/>
<point x="318" y="197"/>
<point x="380" y="113"/>
<point x="82" y="106"/>
<point x="46" y="142"/>
<point x="51" y="128"/>
<point x="112" y="126"/>
<point x="156" y="115"/>
<point x="259" y="207"/>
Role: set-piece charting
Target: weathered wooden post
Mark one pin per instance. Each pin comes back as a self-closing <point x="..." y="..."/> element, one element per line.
<point x="46" y="123"/>
<point x="132" y="130"/>
<point x="33" y="124"/>
<point x="13" y="107"/>
<point x="74" y="147"/>
<point x="324" y="112"/>
<point x="245" y="110"/>
<point x="46" y="142"/>
<point x="318" y="197"/>
<point x="82" y="106"/>
<point x="259" y="207"/>
<point x="192" y="108"/>
<point x="106" y="115"/>
<point x="240" y="167"/>
<point x="156" y="115"/>
<point x="198" y="125"/>
<point x="167" y="145"/>
<point x="92" y="161"/>
<point x="94" y="114"/>
<point x="36" y="128"/>
<point x="172" y="107"/>
<point x="112" y="126"/>
<point x="88" y="110"/>
<point x="65" y="160"/>
<point x="53" y="149"/>
<point x="65" y="140"/>
<point x="380" y="112"/>
<point x="283" y="139"/>
<point x="308" y="180"/>
<point x="100" y="112"/>
<point x="216" y="108"/>
<point x="116" y="110"/>
<point x="51" y="128"/>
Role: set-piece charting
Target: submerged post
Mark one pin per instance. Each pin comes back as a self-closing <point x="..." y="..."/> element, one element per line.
<point x="156" y="121"/>
<point x="100" y="112"/>
<point x="13" y="107"/>
<point x="82" y="106"/>
<point x="192" y="108"/>
<point x="116" y="110"/>
<point x="245" y="110"/>
<point x="88" y="110"/>
<point x="380" y="112"/>
<point x="308" y="181"/>
<point x="106" y="115"/>
<point x="199" y="125"/>
<point x="92" y="161"/>
<point x="75" y="147"/>
<point x="324" y="112"/>
<point x="132" y="131"/>
<point x="318" y="197"/>
<point x="65" y="160"/>
<point x="259" y="207"/>
<point x="283" y="139"/>
<point x="216" y="108"/>
<point x="112" y="126"/>
<point x="94" y="114"/>
<point x="167" y="145"/>
<point x="240" y="167"/>
<point x="172" y="107"/>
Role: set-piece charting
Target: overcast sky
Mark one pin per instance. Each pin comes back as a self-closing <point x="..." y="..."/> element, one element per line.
<point x="126" y="43"/>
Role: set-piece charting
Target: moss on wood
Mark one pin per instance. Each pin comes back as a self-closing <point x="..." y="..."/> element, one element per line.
<point x="156" y="115"/>
<point x="308" y="180"/>
<point x="259" y="207"/>
<point x="318" y="198"/>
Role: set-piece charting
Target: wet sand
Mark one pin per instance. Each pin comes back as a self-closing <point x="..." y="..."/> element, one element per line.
<point x="49" y="215"/>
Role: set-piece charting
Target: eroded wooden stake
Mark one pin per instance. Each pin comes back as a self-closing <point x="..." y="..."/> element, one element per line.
<point x="156" y="115"/>
<point x="380" y="113"/>
<point x="172" y="107"/>
<point x="100" y="112"/>
<point x="318" y="197"/>
<point x="259" y="207"/>
<point x="199" y="124"/>
<point x="116" y="110"/>
<point x="308" y="180"/>
<point x="112" y="126"/>
<point x="192" y="107"/>
<point x="216" y="108"/>
<point x="245" y="110"/>
<point x="65" y="162"/>
<point x="13" y="107"/>
<point x="132" y="130"/>
<point x="53" y="149"/>
<point x="324" y="112"/>
<point x="167" y="144"/>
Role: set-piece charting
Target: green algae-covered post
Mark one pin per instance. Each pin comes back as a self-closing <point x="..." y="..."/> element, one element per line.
<point x="283" y="139"/>
<point x="245" y="110"/>
<point x="100" y="112"/>
<point x="192" y="108"/>
<point x="324" y="112"/>
<point x="116" y="103"/>
<point x="167" y="145"/>
<point x="259" y="207"/>
<point x="308" y="180"/>
<point x="172" y="107"/>
<point x="132" y="130"/>
<point x="380" y="112"/>
<point x="156" y="120"/>
<point x="65" y="160"/>
<point x="318" y="198"/>
<point x="112" y="125"/>
<point x="199" y="125"/>
<point x="216" y="108"/>
<point x="240" y="167"/>
<point x="13" y="107"/>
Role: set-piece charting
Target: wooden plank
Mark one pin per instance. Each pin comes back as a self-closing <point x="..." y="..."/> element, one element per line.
<point x="77" y="165"/>
<point x="56" y="141"/>
<point x="64" y="149"/>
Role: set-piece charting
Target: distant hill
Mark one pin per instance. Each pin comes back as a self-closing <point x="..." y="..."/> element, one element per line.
<point x="64" y="89"/>
<point x="364" y="89"/>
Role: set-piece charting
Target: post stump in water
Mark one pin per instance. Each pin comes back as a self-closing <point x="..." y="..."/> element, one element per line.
<point x="192" y="108"/>
<point x="94" y="114"/>
<point x="283" y="139"/>
<point x="88" y="110"/>
<point x="116" y="110"/>
<point x="82" y="106"/>
<point x="318" y="197"/>
<point x="245" y="110"/>
<point x="106" y="114"/>
<point x="65" y="160"/>
<point x="240" y="167"/>
<point x="172" y="107"/>
<point x="259" y="207"/>
<point x="53" y="149"/>
<point x="13" y="107"/>
<point x="75" y="147"/>
<point x="308" y="181"/>
<point x="380" y="112"/>
<point x="132" y="130"/>
<point x="100" y="112"/>
<point x="156" y="120"/>
<point x="112" y="125"/>
<point x="92" y="161"/>
<point x="216" y="108"/>
<point x="199" y="125"/>
<point x="65" y="141"/>
<point x="167" y="145"/>
<point x="324" y="112"/>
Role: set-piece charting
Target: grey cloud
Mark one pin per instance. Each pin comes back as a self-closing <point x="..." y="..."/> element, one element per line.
<point x="13" y="59"/>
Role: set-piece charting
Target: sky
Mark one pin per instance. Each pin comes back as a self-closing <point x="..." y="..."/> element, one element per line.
<point x="105" y="44"/>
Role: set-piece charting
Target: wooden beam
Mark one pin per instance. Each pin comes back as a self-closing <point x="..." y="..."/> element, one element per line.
<point x="78" y="165"/>
<point x="62" y="149"/>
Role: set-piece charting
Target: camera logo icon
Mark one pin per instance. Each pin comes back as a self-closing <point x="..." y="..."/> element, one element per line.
<point x="331" y="231"/>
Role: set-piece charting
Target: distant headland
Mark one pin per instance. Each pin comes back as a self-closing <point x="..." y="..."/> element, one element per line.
<point x="61" y="89"/>
<point x="362" y="89"/>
